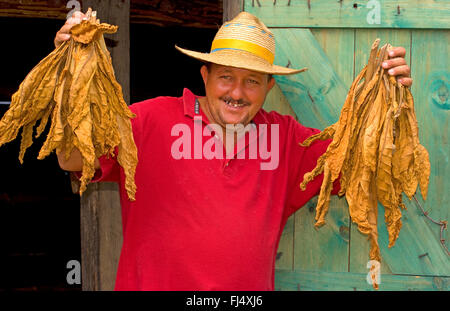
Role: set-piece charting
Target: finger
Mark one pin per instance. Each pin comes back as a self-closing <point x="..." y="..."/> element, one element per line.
<point x="394" y="62"/>
<point x="400" y="70"/>
<point x="74" y="20"/>
<point x="66" y="28"/>
<point x="397" y="52"/>
<point x="63" y="34"/>
<point x="59" y="39"/>
<point x="405" y="81"/>
<point x="78" y="14"/>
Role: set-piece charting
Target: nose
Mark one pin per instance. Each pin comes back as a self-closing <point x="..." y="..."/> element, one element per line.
<point x="237" y="91"/>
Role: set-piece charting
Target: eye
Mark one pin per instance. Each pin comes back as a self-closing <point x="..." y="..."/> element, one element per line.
<point x="252" y="81"/>
<point x="225" y="77"/>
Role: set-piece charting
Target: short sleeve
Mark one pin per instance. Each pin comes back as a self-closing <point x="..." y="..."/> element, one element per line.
<point x="109" y="169"/>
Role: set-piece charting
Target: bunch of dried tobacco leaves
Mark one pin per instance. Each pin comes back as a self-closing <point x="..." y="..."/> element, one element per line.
<point x="76" y="87"/>
<point x="375" y="150"/>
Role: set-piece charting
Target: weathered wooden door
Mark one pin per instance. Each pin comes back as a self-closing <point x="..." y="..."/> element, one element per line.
<point x="333" y="39"/>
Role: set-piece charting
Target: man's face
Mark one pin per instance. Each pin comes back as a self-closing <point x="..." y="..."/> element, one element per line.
<point x="234" y="95"/>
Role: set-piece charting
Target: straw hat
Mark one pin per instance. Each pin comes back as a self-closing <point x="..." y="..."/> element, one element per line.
<point x="244" y="42"/>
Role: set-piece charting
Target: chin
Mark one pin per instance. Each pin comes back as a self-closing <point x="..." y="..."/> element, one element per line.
<point x="234" y="120"/>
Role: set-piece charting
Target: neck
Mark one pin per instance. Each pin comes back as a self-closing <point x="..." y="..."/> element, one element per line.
<point x="205" y="108"/>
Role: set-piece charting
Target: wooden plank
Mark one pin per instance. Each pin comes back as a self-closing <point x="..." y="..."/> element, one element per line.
<point x="109" y="233"/>
<point x="317" y="95"/>
<point x="338" y="45"/>
<point x="346" y="281"/>
<point x="306" y="249"/>
<point x="351" y="14"/>
<point x="276" y="101"/>
<point x="101" y="236"/>
<point x="231" y="8"/>
<point x="101" y="219"/>
<point x="89" y="236"/>
<point x="185" y="13"/>
<point x="312" y="246"/>
<point x="325" y="248"/>
<point x="163" y="13"/>
<point x="431" y="89"/>
<point x="34" y="9"/>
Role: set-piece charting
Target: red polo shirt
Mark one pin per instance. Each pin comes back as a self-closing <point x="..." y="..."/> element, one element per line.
<point x="207" y="224"/>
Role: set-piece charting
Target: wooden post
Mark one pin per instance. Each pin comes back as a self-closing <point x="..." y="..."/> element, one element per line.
<point x="101" y="223"/>
<point x="231" y="8"/>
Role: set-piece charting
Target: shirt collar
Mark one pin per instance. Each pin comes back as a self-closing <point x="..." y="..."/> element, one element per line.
<point x="189" y="102"/>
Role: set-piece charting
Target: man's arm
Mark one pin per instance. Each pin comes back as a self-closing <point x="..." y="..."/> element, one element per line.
<point x="75" y="161"/>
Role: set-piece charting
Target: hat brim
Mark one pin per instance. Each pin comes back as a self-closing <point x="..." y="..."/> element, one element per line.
<point x="240" y="59"/>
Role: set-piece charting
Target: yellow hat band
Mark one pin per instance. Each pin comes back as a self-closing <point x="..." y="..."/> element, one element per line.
<point x="235" y="44"/>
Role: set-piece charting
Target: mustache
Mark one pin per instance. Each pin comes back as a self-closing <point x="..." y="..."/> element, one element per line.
<point x="230" y="100"/>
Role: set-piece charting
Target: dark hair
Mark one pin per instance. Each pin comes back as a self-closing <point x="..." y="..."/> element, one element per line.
<point x="208" y="66"/>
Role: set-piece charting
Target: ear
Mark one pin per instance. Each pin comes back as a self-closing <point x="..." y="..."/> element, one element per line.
<point x="204" y="73"/>
<point x="270" y="84"/>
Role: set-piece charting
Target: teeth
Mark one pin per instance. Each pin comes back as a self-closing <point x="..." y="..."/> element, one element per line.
<point x="233" y="105"/>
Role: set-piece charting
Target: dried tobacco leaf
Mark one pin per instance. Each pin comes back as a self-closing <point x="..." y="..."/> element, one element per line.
<point x="76" y="88"/>
<point x="375" y="150"/>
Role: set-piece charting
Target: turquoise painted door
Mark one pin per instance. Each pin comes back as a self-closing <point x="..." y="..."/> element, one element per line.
<point x="333" y="39"/>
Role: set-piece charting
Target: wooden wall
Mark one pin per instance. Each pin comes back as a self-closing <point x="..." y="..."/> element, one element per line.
<point x="333" y="40"/>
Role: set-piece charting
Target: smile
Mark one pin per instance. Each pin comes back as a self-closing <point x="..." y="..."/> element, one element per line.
<point x="234" y="105"/>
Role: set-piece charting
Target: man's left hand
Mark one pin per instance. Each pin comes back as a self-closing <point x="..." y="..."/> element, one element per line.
<point x="397" y="66"/>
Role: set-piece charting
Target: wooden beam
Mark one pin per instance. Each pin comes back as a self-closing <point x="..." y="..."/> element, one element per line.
<point x="101" y="224"/>
<point x="352" y="14"/>
<point x="186" y="13"/>
<point x="286" y="280"/>
<point x="164" y="13"/>
<point x="54" y="9"/>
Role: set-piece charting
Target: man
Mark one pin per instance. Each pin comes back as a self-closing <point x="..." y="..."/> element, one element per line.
<point x="211" y="199"/>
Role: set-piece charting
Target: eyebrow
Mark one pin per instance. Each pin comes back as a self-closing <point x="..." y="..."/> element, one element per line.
<point x="253" y="75"/>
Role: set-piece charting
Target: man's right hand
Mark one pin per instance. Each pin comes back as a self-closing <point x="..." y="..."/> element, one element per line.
<point x="75" y="161"/>
<point x="64" y="33"/>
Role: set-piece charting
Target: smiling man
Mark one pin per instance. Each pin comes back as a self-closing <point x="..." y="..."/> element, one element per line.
<point x="214" y="223"/>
